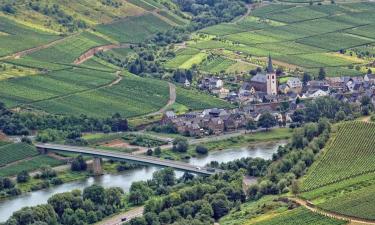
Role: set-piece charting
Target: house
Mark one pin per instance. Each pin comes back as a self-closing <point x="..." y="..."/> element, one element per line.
<point x="234" y="121"/>
<point x="168" y="117"/>
<point x="211" y="83"/>
<point x="295" y="84"/>
<point x="370" y="78"/>
<point x="315" y="94"/>
<point x="318" y="84"/>
<point x="221" y="93"/>
<point x="216" y="125"/>
<point x="187" y="83"/>
<point x="284" y="89"/>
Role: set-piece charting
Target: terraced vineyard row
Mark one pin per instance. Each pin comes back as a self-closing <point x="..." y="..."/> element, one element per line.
<point x="350" y="154"/>
<point x="14" y="152"/>
<point x="359" y="204"/>
<point x="301" y="216"/>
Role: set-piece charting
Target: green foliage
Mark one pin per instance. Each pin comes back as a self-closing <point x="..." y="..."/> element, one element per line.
<point x="349" y="155"/>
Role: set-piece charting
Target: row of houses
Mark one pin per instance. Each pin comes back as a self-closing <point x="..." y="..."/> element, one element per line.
<point x="214" y="121"/>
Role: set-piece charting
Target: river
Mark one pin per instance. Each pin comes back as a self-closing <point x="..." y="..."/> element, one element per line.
<point x="125" y="179"/>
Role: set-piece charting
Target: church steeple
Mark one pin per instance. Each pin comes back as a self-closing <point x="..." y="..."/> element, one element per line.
<point x="269" y="66"/>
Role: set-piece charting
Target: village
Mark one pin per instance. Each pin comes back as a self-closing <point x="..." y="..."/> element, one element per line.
<point x="263" y="94"/>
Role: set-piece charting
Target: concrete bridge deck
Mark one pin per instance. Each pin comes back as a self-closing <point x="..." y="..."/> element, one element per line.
<point x="139" y="159"/>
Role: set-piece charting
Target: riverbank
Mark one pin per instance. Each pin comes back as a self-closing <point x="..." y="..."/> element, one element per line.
<point x="231" y="142"/>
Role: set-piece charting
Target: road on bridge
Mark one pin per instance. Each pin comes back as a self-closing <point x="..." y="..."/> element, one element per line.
<point x="145" y="160"/>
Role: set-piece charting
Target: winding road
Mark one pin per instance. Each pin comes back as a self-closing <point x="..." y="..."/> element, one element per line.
<point x="116" y="220"/>
<point x="171" y="101"/>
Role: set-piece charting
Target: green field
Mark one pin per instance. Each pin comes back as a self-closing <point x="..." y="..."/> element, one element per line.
<point x="29" y="165"/>
<point x="301" y="216"/>
<point x="69" y="49"/>
<point x="16" y="37"/>
<point x="133" y="96"/>
<point x="358" y="203"/>
<point x="196" y="100"/>
<point x="14" y="152"/>
<point x="296" y="35"/>
<point x="216" y="64"/>
<point x="28" y="89"/>
<point x="134" y="29"/>
<point x="349" y="154"/>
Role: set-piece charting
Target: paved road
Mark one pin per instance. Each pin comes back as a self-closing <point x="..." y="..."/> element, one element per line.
<point x="146" y="160"/>
<point x="116" y="220"/>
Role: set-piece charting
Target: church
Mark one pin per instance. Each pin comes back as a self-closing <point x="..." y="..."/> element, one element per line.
<point x="266" y="83"/>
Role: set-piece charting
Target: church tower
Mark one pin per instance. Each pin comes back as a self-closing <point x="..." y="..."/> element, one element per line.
<point x="271" y="78"/>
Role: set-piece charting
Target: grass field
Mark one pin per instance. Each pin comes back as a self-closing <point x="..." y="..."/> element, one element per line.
<point x="13" y="152"/>
<point x="196" y="100"/>
<point x="29" y="165"/>
<point x="134" y="29"/>
<point x="349" y="154"/>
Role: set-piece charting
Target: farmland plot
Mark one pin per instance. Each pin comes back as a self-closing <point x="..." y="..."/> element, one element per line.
<point x="70" y="49"/>
<point x="296" y="14"/>
<point x="134" y="29"/>
<point x="350" y="154"/>
<point x="15" y="152"/>
<point x="17" y="37"/>
<point x="216" y="64"/>
<point x="133" y="96"/>
<point x="223" y="29"/>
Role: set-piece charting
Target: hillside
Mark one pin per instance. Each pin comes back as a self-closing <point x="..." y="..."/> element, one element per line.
<point x="343" y="179"/>
<point x="297" y="36"/>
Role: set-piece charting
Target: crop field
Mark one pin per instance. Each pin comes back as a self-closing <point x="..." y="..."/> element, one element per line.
<point x="143" y="4"/>
<point x="14" y="152"/>
<point x="172" y="17"/>
<point x="359" y="203"/>
<point x="70" y="49"/>
<point x="196" y="100"/>
<point x="298" y="35"/>
<point x="133" y="96"/>
<point x="29" y="165"/>
<point x="216" y="64"/>
<point x="134" y="29"/>
<point x="349" y="154"/>
<point x="25" y="90"/>
<point x="17" y="37"/>
<point x="240" y="67"/>
<point x="301" y="216"/>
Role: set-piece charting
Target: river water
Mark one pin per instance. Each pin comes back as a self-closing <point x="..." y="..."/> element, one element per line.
<point x="125" y="179"/>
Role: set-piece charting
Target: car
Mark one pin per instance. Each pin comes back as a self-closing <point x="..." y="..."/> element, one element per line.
<point x="124" y="219"/>
<point x="198" y="168"/>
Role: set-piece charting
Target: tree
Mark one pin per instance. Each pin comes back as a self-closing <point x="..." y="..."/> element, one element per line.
<point x="220" y="206"/>
<point x="95" y="193"/>
<point x="165" y="177"/>
<point x="180" y="145"/>
<point x="157" y="151"/>
<point x="79" y="164"/>
<point x="23" y="177"/>
<point x="306" y="78"/>
<point x="295" y="187"/>
<point x="322" y="74"/>
<point x="267" y="120"/>
<point x="149" y="152"/>
<point x="201" y="150"/>
<point x="138" y="221"/>
<point x="113" y="196"/>
<point x="251" y="125"/>
<point x="139" y="193"/>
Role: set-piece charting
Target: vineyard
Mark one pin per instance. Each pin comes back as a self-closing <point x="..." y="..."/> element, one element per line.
<point x="216" y="65"/>
<point x="358" y="204"/>
<point x="14" y="152"/>
<point x="301" y="216"/>
<point x="351" y="153"/>
<point x="141" y="28"/>
<point x="29" y="165"/>
<point x="304" y="36"/>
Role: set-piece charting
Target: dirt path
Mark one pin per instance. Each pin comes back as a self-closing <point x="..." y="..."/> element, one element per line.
<point x="315" y="209"/>
<point x="171" y="101"/>
<point x="117" y="80"/>
<point x="366" y="119"/>
<point x="91" y="52"/>
<point x="249" y="7"/>
<point x="116" y="220"/>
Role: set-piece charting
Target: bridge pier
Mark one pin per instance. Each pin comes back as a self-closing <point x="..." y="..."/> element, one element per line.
<point x="97" y="166"/>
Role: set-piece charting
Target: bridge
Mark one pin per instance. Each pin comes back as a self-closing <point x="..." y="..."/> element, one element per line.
<point x="119" y="156"/>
